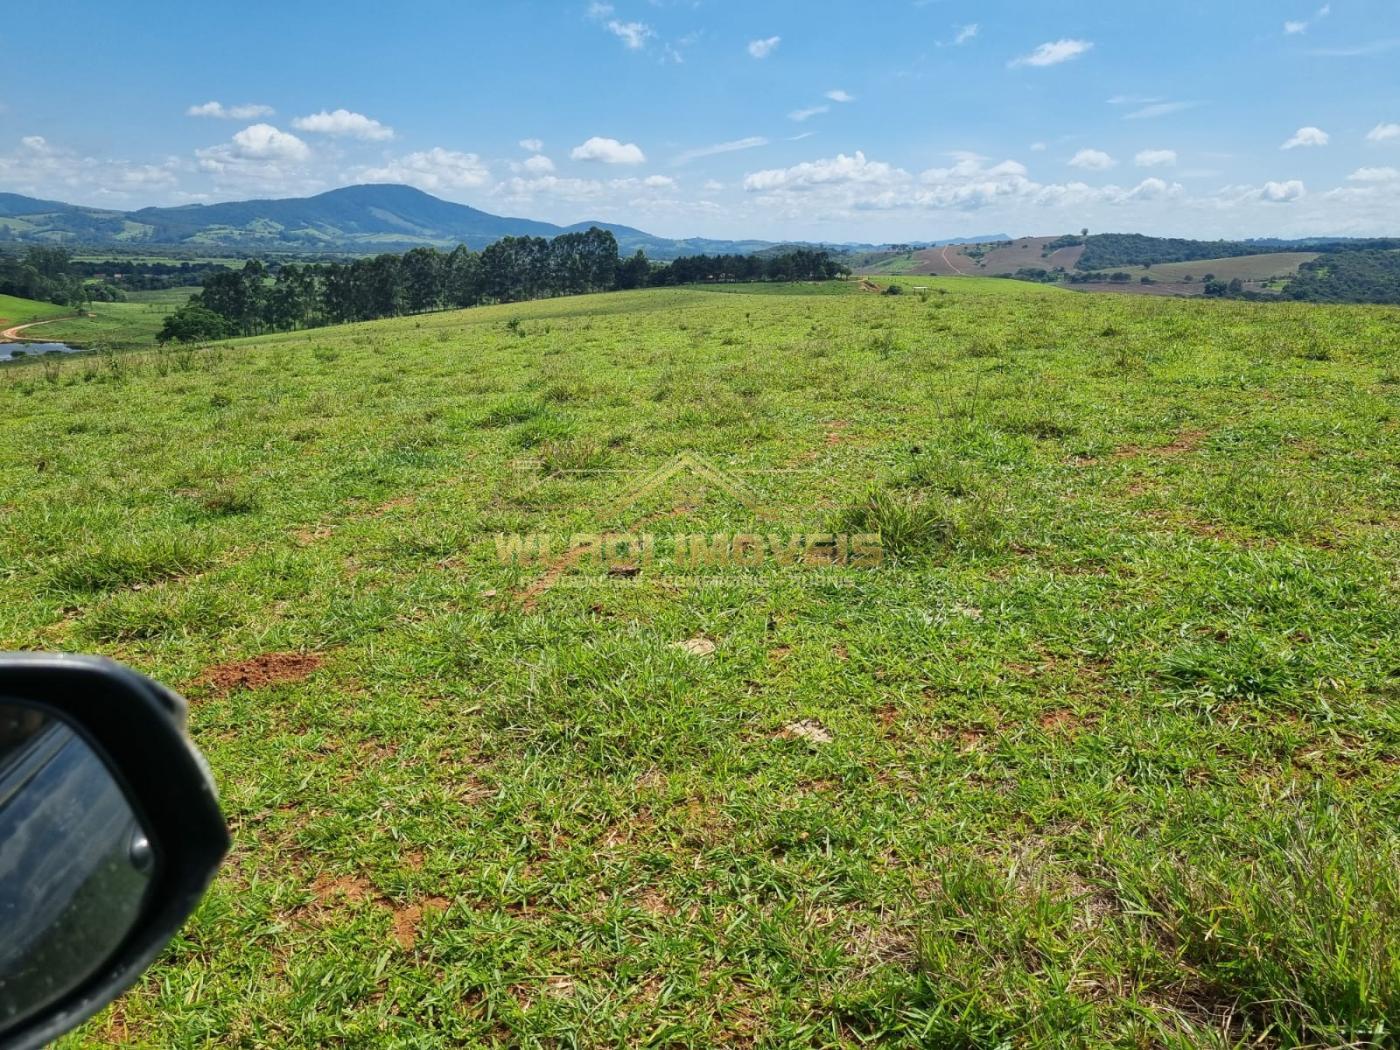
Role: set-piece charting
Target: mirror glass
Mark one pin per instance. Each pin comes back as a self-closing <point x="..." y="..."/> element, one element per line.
<point x="74" y="861"/>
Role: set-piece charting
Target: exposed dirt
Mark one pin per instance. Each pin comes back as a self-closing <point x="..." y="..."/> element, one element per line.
<point x="12" y="334"/>
<point x="809" y="729"/>
<point x="261" y="671"/>
<point x="408" y="918"/>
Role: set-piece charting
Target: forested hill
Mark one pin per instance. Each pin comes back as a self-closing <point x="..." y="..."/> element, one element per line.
<point x="1348" y="277"/>
<point x="1104" y="251"/>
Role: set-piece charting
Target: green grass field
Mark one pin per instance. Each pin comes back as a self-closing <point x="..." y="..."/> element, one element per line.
<point x="14" y="311"/>
<point x="120" y="326"/>
<point x="1106" y="752"/>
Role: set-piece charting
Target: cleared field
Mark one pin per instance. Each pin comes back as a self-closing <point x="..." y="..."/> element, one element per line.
<point x="1105" y="752"/>
<point x="982" y="260"/>
<point x="1257" y="268"/>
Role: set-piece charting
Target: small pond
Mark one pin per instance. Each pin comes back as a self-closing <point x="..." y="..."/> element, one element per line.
<point x="23" y="351"/>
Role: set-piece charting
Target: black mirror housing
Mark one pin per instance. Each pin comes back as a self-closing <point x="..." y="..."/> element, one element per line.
<point x="137" y="728"/>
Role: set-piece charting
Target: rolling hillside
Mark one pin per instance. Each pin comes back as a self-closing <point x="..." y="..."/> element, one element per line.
<point x="986" y="259"/>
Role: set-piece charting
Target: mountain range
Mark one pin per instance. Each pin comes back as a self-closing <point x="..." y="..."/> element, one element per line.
<point x="368" y="218"/>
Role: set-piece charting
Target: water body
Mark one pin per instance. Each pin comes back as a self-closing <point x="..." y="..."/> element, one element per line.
<point x="28" y="351"/>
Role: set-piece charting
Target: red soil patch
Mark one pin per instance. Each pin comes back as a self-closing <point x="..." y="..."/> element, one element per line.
<point x="261" y="671"/>
<point x="407" y="919"/>
<point x="1058" y="719"/>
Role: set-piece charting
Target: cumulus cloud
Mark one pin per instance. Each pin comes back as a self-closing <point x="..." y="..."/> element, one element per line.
<point x="1308" y="136"/>
<point x="847" y="186"/>
<point x="765" y="47"/>
<point x="1383" y="133"/>
<point x="752" y="142"/>
<point x="1092" y="160"/>
<point x="659" y="182"/>
<point x="609" y="151"/>
<point x="342" y="123"/>
<point x="840" y="169"/>
<point x="1283" y="192"/>
<point x="800" y="115"/>
<point x="433" y="170"/>
<point x="42" y="168"/>
<point x="538" y="164"/>
<point x="1053" y="53"/>
<point x="260" y="152"/>
<point x="247" y="111"/>
<point x="1155" y="158"/>
<point x="838" y="95"/>
<point x="531" y="145"/>
<point x="966" y="33"/>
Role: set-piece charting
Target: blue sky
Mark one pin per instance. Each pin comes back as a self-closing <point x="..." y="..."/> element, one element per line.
<point x="904" y="120"/>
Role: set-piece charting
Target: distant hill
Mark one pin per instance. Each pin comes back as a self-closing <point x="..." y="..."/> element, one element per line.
<point x="358" y="219"/>
<point x="982" y="258"/>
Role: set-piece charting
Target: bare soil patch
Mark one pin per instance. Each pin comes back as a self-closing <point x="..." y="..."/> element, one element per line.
<point x="261" y="671"/>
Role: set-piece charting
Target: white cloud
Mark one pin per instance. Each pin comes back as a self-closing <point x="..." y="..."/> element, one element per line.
<point x="1308" y="136"/>
<point x="1159" y="109"/>
<point x="43" y="169"/>
<point x="966" y="33"/>
<point x="531" y="145"/>
<point x="838" y="95"/>
<point x="764" y="48"/>
<point x="712" y="186"/>
<point x="538" y="164"/>
<point x="1156" y="158"/>
<point x="609" y="151"/>
<point x="1092" y="160"/>
<point x="633" y="35"/>
<point x="600" y="10"/>
<point x="752" y="142"/>
<point x="1039" y="147"/>
<point x="800" y="115"/>
<point x="248" y="111"/>
<point x="258" y="142"/>
<point x="1283" y="192"/>
<point x="838" y="170"/>
<point x="1295" y="26"/>
<point x="1053" y="53"/>
<point x="342" y="123"/>
<point x="659" y="182"/>
<point x="1383" y="133"/>
<point x="433" y="170"/>
<point x="1374" y="175"/>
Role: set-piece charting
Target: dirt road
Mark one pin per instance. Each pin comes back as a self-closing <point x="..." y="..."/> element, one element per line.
<point x="956" y="268"/>
<point x="13" y="334"/>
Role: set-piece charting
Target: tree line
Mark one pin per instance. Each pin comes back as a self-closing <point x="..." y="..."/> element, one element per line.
<point x="48" y="274"/>
<point x="257" y="299"/>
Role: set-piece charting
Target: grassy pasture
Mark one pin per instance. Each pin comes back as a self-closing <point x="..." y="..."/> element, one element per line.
<point x="120" y="326"/>
<point x="15" y="311"/>
<point x="1107" y="753"/>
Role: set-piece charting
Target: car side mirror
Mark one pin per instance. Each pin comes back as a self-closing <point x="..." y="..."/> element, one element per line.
<point x="110" y="832"/>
